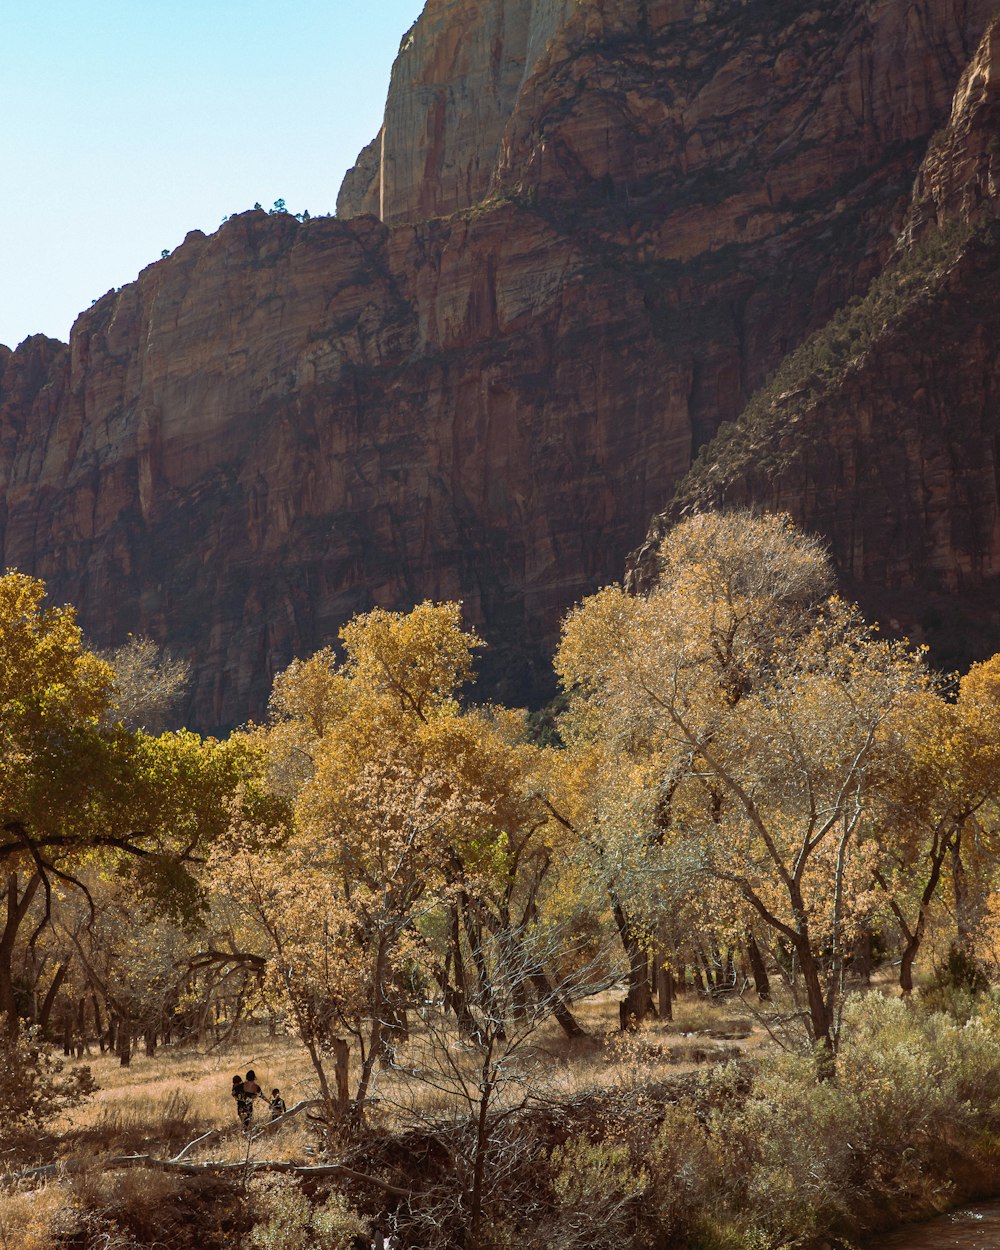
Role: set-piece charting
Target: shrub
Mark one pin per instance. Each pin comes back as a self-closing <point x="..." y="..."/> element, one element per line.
<point x="287" y="1220"/>
<point x="597" y="1190"/>
<point x="908" y="1122"/>
<point x="33" y="1086"/>
<point x="682" y="1167"/>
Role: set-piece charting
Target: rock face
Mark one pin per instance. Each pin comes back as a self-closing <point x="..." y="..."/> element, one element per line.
<point x="600" y="227"/>
<point x="455" y="85"/>
<point x="886" y="439"/>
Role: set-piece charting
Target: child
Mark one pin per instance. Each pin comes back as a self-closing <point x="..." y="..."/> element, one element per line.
<point x="278" y="1107"/>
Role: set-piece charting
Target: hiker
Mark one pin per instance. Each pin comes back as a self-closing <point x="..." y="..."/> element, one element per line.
<point x="244" y="1107"/>
<point x="277" y="1104"/>
<point x="251" y="1092"/>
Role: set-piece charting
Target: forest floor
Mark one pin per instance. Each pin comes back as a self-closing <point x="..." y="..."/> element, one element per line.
<point x="607" y="1086"/>
<point x="184" y="1090"/>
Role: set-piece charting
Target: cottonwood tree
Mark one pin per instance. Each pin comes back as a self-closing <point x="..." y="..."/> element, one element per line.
<point x="719" y="598"/>
<point x="933" y="805"/>
<point x="79" y="792"/>
<point x="148" y="684"/>
<point x="412" y="819"/>
<point x="771" y="716"/>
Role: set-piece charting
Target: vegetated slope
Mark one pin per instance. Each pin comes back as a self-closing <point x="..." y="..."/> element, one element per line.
<point x="603" y="228"/>
<point x="882" y="431"/>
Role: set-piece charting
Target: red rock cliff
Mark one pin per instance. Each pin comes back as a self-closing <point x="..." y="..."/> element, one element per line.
<point x="883" y="432"/>
<point x="595" y="247"/>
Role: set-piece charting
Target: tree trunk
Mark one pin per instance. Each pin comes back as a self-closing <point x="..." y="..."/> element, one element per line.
<point x="547" y="993"/>
<point x="664" y="992"/>
<point x="125" y="1043"/>
<point x="45" y="1012"/>
<point x="761" y="981"/>
<point x="375" y="1042"/>
<point x="18" y="904"/>
<point x="964" y="903"/>
<point x="638" y="1002"/>
<point x="486" y="1085"/>
<point x="474" y="933"/>
<point x="81" y="1029"/>
<point x="342" y="1060"/>
<point x="906" y="965"/>
<point x="820" y="1013"/>
<point x="460" y="992"/>
<point x="98" y="1024"/>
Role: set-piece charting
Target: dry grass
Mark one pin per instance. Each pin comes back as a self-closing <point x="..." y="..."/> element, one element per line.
<point x="33" y="1219"/>
<point x="159" y="1105"/>
<point x="559" y="1067"/>
<point x="183" y="1091"/>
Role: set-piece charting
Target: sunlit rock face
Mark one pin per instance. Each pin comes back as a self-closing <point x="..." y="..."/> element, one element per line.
<point x="585" y="235"/>
<point x="895" y="457"/>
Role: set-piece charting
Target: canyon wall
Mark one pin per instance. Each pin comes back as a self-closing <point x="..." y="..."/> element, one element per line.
<point x="883" y="432"/>
<point x="585" y="236"/>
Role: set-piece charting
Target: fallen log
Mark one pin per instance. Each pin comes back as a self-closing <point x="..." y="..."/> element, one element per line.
<point x="214" y="1167"/>
<point x="179" y="1162"/>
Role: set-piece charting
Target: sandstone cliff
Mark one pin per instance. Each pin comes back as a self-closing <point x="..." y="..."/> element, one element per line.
<point x="883" y="431"/>
<point x="603" y="226"/>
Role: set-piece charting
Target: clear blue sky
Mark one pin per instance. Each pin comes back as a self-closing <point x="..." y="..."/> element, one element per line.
<point x="128" y="123"/>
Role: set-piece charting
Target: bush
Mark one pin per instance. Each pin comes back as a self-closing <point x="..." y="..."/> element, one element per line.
<point x="904" y="1129"/>
<point x="956" y="984"/>
<point x="33" y="1086"/>
<point x="682" y="1167"/>
<point x="597" y="1190"/>
<point x="287" y="1220"/>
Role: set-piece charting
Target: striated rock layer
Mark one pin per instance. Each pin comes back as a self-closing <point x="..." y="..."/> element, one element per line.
<point x="593" y="231"/>
<point x="883" y="432"/>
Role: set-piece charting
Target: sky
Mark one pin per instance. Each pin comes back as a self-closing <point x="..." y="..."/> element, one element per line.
<point x="128" y="123"/>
